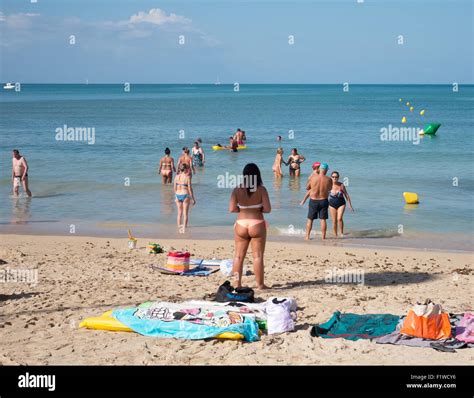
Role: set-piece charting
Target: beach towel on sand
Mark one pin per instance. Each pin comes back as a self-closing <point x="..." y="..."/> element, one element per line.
<point x="163" y="319"/>
<point x="199" y="270"/>
<point x="355" y="327"/>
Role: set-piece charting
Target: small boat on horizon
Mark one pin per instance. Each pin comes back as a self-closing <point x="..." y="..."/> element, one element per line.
<point x="8" y="86"/>
<point x="217" y="83"/>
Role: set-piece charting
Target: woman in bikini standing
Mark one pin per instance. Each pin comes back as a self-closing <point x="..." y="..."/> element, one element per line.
<point x="167" y="167"/>
<point x="294" y="161"/>
<point x="188" y="160"/>
<point x="184" y="194"/>
<point x="250" y="201"/>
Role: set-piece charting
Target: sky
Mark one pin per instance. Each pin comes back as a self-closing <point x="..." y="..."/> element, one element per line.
<point x="138" y="41"/>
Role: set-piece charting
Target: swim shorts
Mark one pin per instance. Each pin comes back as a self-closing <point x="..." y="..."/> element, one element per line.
<point x="318" y="209"/>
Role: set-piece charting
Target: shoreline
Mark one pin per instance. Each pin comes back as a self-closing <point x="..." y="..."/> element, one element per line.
<point x="414" y="240"/>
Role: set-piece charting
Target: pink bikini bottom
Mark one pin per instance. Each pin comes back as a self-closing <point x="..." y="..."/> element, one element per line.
<point x="249" y="222"/>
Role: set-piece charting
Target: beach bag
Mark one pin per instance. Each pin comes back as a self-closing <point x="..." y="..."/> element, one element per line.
<point x="427" y="321"/>
<point x="281" y="315"/>
<point x="465" y="329"/>
<point x="177" y="261"/>
<point x="226" y="293"/>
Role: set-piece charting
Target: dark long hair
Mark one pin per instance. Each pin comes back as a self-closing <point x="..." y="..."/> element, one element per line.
<point x="251" y="173"/>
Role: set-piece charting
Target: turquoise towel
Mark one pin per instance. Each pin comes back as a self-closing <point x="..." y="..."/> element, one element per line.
<point x="182" y="329"/>
<point x="355" y="327"/>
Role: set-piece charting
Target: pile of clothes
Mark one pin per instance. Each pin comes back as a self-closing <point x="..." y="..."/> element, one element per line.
<point x="425" y="325"/>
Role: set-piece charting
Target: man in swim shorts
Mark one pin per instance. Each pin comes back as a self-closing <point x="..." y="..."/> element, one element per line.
<point x="19" y="173"/>
<point x="319" y="187"/>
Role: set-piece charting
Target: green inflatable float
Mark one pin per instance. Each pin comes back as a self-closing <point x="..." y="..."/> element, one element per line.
<point x="430" y="129"/>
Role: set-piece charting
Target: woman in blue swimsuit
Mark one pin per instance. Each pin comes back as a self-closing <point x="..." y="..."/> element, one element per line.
<point x="183" y="191"/>
<point x="337" y="202"/>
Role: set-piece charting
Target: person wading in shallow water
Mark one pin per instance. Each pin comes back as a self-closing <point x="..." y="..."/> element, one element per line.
<point x="19" y="173"/>
<point x="337" y="203"/>
<point x="319" y="186"/>
<point x="250" y="201"/>
<point x="167" y="167"/>
<point x="294" y="161"/>
<point x="184" y="194"/>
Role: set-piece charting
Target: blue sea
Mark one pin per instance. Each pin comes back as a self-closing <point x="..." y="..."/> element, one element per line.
<point x="111" y="185"/>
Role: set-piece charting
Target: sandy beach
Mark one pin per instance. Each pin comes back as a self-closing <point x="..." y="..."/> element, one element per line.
<point x="79" y="277"/>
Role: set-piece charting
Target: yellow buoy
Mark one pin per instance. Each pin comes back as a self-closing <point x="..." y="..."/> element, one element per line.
<point x="411" y="109"/>
<point x="404" y="119"/>
<point x="399" y="100"/>
<point x="411" y="198"/>
<point x="408" y="104"/>
<point x="422" y="112"/>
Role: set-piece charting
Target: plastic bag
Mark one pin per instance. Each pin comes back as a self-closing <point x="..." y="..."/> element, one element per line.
<point x="427" y="321"/>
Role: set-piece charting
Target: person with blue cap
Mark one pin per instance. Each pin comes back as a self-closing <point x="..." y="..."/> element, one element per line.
<point x="319" y="187"/>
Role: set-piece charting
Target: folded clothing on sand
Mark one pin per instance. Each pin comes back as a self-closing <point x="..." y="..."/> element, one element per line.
<point x="355" y="327"/>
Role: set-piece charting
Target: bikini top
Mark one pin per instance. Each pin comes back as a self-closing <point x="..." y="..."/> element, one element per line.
<point x="250" y="206"/>
<point x="297" y="161"/>
<point x="180" y="183"/>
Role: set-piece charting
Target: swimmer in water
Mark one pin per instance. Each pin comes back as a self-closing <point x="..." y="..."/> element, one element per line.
<point x="277" y="163"/>
<point x="186" y="159"/>
<point x="19" y="173"/>
<point x="238" y="136"/>
<point x="294" y="161"/>
<point x="198" y="155"/>
<point x="167" y="167"/>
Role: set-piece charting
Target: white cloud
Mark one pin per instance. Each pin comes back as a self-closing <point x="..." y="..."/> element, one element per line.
<point x="157" y="16"/>
<point x="26" y="28"/>
<point x="18" y="21"/>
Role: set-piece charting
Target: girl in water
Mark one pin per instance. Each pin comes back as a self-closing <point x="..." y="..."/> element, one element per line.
<point x="337" y="202"/>
<point x="294" y="161"/>
<point x="184" y="194"/>
<point x="198" y="155"/>
<point x="167" y="167"/>
<point x="250" y="201"/>
<point x="277" y="163"/>
<point x="186" y="159"/>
